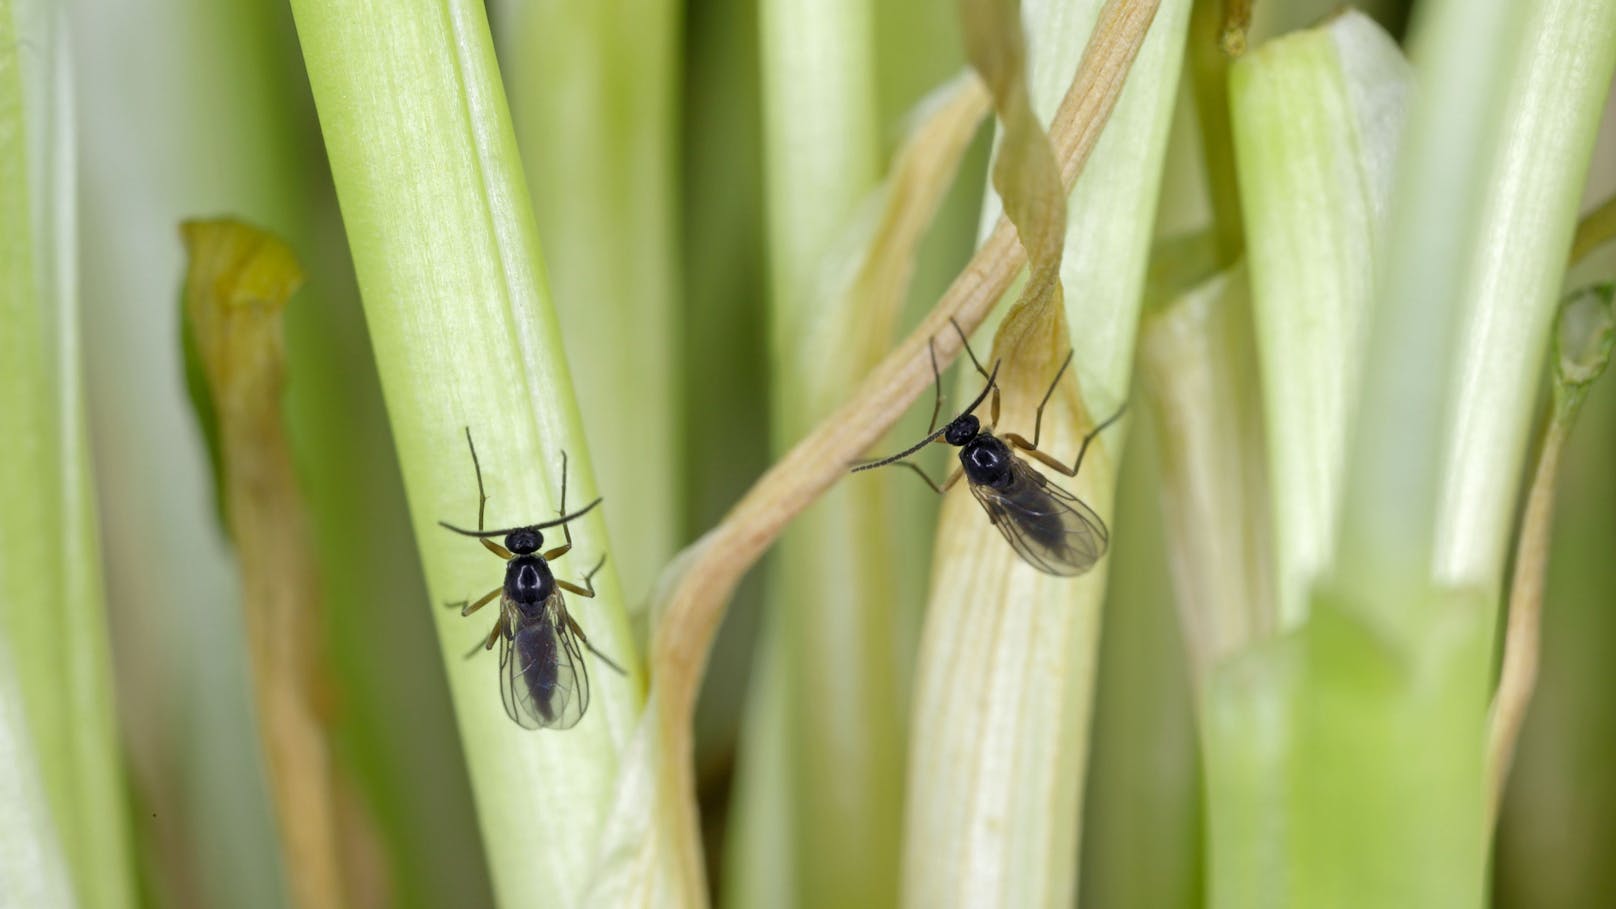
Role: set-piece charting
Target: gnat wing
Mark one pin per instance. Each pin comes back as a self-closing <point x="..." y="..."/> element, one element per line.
<point x="543" y="680"/>
<point x="512" y="690"/>
<point x="1051" y="529"/>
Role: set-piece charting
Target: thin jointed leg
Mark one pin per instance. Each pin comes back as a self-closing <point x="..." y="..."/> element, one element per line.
<point x="467" y="607"/>
<point x="488" y="642"/>
<point x="588" y="590"/>
<point x="1032" y="449"/>
<point x="1038" y="417"/>
<point x="946" y="485"/>
<point x="578" y="632"/>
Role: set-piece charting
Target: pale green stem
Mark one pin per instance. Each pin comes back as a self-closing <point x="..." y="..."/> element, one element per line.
<point x="58" y="709"/>
<point x="1318" y="116"/>
<point x="1508" y="283"/>
<point x="821" y="157"/>
<point x="444" y="244"/>
<point x="1005" y="674"/>
<point x="821" y="144"/>
<point x="1495" y="155"/>
<point x="1371" y="791"/>
<point x="33" y="868"/>
<point x="1197" y="365"/>
<point x="593" y="90"/>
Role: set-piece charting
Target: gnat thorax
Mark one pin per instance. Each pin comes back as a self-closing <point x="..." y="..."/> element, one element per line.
<point x="528" y="583"/>
<point x="986" y="461"/>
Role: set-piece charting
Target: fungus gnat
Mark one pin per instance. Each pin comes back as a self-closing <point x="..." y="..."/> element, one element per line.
<point x="1051" y="529"/>
<point x="542" y="677"/>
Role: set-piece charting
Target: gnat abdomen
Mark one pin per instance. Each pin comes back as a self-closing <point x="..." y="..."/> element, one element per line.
<point x="535" y="650"/>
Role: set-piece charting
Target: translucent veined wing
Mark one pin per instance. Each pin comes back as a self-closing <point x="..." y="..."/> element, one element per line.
<point x="543" y="680"/>
<point x="1051" y="529"/>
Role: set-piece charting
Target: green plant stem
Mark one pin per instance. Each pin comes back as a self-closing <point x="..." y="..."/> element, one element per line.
<point x="820" y="134"/>
<point x="1377" y="763"/>
<point x="33" y="869"/>
<point x="1005" y="672"/>
<point x="593" y="94"/>
<point x="1209" y="62"/>
<point x="1455" y="306"/>
<point x="821" y="157"/>
<point x="1551" y="111"/>
<point x="52" y="620"/>
<point x="445" y="248"/>
<point x="1318" y="116"/>
<point x="1198" y="369"/>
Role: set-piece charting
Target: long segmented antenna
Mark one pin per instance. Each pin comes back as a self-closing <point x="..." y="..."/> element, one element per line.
<point x="547" y="524"/>
<point x="930" y="438"/>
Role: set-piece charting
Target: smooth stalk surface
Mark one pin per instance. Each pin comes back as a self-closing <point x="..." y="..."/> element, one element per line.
<point x="821" y="158"/>
<point x="58" y="698"/>
<point x="1005" y="673"/>
<point x="444" y="245"/>
<point x="593" y="94"/>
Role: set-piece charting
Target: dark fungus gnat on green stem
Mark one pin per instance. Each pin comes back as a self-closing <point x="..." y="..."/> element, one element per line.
<point x="543" y="679"/>
<point x="1051" y="529"/>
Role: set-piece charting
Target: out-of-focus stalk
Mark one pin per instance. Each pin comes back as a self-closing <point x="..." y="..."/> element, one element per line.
<point x="438" y="220"/>
<point x="821" y="157"/>
<point x="1317" y="116"/>
<point x="1198" y="368"/>
<point x="1142" y="825"/>
<point x="1549" y="109"/>
<point x="593" y="90"/>
<point x="1503" y="137"/>
<point x="33" y="869"/>
<point x="1005" y="672"/>
<point x="1391" y="706"/>
<point x="64" y="842"/>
